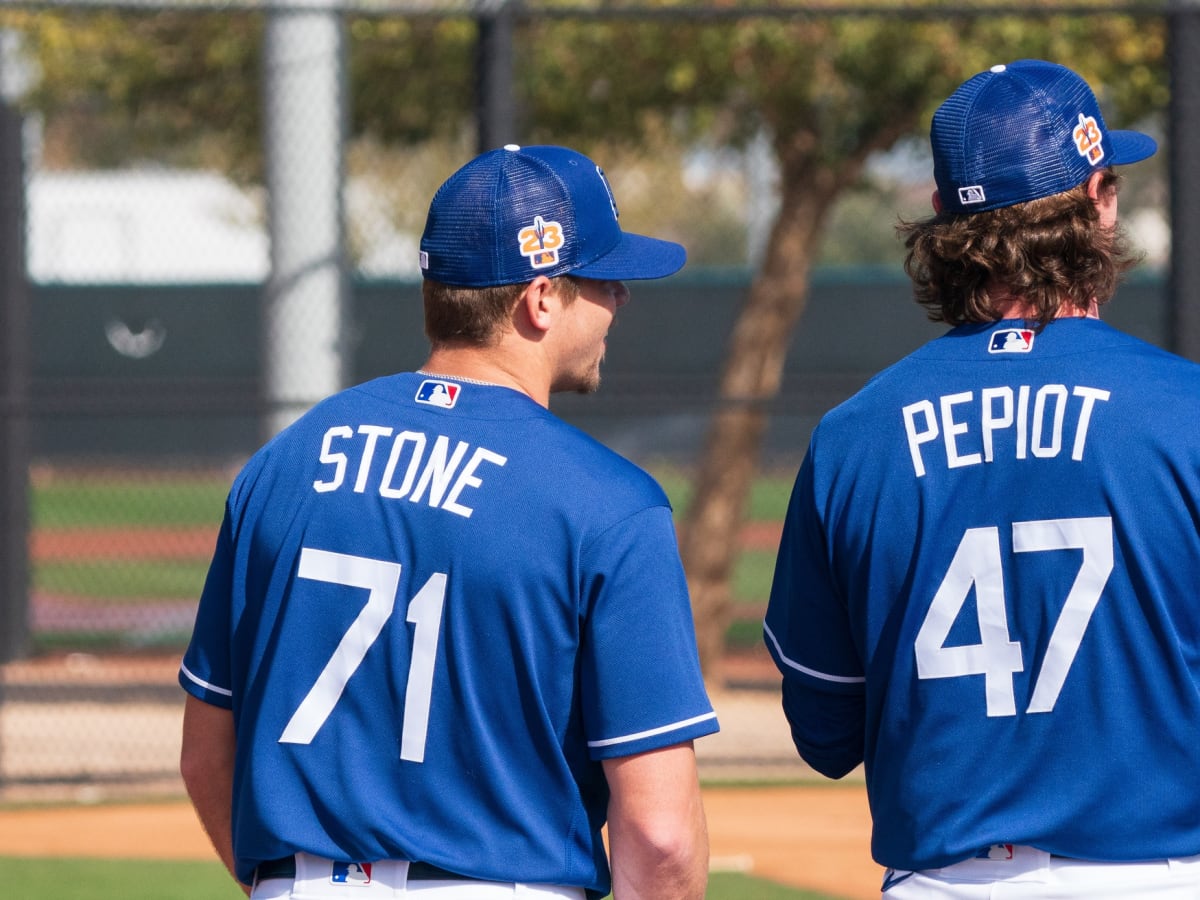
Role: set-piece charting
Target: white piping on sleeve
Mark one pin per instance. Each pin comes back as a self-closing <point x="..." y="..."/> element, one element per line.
<point x="823" y="676"/>
<point x="625" y="739"/>
<point x="225" y="692"/>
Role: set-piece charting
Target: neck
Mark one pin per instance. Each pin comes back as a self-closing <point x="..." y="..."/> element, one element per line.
<point x="488" y="366"/>
<point x="1016" y="308"/>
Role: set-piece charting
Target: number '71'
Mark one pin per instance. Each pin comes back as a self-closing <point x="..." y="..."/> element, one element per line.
<point x="381" y="579"/>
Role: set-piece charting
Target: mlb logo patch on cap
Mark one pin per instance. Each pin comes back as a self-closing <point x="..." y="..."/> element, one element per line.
<point x="351" y="873"/>
<point x="1011" y="340"/>
<point x="969" y="196"/>
<point x="438" y="393"/>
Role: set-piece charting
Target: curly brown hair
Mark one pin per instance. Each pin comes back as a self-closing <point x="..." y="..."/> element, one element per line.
<point x="1052" y="253"/>
<point x="475" y="316"/>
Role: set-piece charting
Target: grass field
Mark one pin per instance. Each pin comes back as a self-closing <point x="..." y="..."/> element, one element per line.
<point x="173" y="500"/>
<point x="155" y="504"/>
<point x="768" y="495"/>
<point x="116" y="500"/>
<point x="106" y="879"/>
<point x="90" y="879"/>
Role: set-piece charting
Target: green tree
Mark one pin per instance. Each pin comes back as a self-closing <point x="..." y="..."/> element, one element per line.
<point x="827" y="90"/>
<point x="183" y="87"/>
<point x="114" y="88"/>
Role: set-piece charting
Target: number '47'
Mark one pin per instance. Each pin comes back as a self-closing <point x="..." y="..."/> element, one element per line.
<point x="977" y="562"/>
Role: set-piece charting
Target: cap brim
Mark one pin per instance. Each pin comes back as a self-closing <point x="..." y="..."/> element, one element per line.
<point x="1131" y="146"/>
<point x="635" y="258"/>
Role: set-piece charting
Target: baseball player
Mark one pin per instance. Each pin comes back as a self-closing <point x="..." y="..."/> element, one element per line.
<point x="986" y="584"/>
<point x="446" y="636"/>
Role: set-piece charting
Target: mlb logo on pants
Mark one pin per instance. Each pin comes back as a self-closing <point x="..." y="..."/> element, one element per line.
<point x="351" y="873"/>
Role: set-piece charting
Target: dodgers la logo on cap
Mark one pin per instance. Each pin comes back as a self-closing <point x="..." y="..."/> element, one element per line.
<point x="1021" y="131"/>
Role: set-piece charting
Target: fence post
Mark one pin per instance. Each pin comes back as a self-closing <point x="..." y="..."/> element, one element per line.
<point x="304" y="111"/>
<point x="14" y="392"/>
<point x="1184" y="119"/>
<point x="495" y="105"/>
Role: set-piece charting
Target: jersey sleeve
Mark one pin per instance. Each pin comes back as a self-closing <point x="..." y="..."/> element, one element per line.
<point x="640" y="671"/>
<point x="807" y="631"/>
<point x="206" y="670"/>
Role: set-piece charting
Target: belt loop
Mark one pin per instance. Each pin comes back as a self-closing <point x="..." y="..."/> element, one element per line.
<point x="401" y="875"/>
<point x="1184" y="863"/>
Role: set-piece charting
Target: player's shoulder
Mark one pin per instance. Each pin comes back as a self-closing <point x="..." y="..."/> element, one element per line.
<point x="883" y="389"/>
<point x="279" y="454"/>
<point x="595" y="469"/>
<point x="558" y="454"/>
<point x="969" y="357"/>
<point x="1155" y="374"/>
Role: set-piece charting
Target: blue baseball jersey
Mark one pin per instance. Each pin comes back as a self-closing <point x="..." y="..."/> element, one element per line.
<point x="987" y="592"/>
<point x="433" y="609"/>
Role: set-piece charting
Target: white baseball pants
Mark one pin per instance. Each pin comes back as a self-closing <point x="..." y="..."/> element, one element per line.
<point x="389" y="878"/>
<point x="1024" y="873"/>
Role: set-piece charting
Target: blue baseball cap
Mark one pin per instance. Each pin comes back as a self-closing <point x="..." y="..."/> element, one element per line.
<point x="515" y="213"/>
<point x="1022" y="131"/>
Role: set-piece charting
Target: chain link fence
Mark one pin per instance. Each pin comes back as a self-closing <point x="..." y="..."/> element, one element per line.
<point x="204" y="263"/>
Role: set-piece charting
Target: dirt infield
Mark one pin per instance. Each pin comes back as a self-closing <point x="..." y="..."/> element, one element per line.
<point x="812" y="837"/>
<point x="811" y="833"/>
<point x="815" y="837"/>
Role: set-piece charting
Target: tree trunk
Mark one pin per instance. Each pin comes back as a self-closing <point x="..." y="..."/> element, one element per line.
<point x="750" y="380"/>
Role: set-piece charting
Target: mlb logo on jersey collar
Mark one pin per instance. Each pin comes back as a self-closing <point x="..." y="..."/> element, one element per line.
<point x="438" y="393"/>
<point x="1011" y="340"/>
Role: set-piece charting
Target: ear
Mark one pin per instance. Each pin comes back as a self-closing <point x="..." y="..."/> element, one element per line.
<point x="540" y="303"/>
<point x="1103" y="197"/>
<point x="936" y="200"/>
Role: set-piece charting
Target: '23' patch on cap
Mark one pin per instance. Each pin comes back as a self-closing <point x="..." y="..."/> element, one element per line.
<point x="540" y="243"/>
